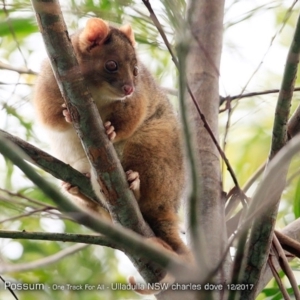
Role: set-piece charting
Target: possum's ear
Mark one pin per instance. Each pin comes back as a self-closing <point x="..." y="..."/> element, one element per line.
<point x="127" y="30"/>
<point x="94" y="33"/>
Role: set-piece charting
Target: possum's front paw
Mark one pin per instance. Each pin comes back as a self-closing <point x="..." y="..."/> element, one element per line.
<point x="133" y="179"/>
<point x="66" y="113"/>
<point x="71" y="189"/>
<point x="110" y="130"/>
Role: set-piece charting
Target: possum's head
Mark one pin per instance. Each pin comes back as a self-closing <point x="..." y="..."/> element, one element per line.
<point x="107" y="58"/>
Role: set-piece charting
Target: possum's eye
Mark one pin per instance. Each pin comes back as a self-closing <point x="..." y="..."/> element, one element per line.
<point x="111" y="66"/>
<point x="135" y="71"/>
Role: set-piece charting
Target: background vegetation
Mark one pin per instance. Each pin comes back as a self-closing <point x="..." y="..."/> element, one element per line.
<point x="252" y="61"/>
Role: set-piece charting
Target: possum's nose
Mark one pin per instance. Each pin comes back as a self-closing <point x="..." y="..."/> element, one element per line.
<point x="128" y="89"/>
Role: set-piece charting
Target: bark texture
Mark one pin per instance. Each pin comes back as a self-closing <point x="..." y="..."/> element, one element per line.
<point x="203" y="61"/>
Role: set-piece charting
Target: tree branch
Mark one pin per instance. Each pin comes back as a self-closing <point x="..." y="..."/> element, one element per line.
<point x="200" y="112"/>
<point x="87" y="122"/>
<point x="40" y="263"/>
<point x="60" y="237"/>
<point x="264" y="200"/>
<point x="207" y="18"/>
<point x="10" y="289"/>
<point x="157" y="24"/>
<point x="127" y="240"/>
<point x="54" y="166"/>
<point x="285" y="266"/>
<point x="288" y="243"/>
<point x="253" y="94"/>
<point x="291" y="231"/>
<point x="261" y="233"/>
<point x="293" y="128"/>
<point x="19" y="195"/>
<point x="193" y="219"/>
<point x="43" y="209"/>
<point x="278" y="280"/>
<point x="7" y="67"/>
<point x="86" y="119"/>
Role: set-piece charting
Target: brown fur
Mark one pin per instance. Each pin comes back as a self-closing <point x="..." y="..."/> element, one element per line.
<point x="147" y="131"/>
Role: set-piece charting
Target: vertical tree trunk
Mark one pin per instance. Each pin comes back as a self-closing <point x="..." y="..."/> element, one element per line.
<point x="206" y="26"/>
<point x="203" y="61"/>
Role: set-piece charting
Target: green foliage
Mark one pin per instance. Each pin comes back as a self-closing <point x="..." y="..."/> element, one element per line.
<point x="82" y="270"/>
<point x="247" y="143"/>
<point x="93" y="266"/>
<point x="22" y="27"/>
<point x="273" y="294"/>
<point x="297" y="200"/>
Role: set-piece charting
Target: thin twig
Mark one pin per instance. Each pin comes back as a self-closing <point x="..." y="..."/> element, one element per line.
<point x="292" y="231"/>
<point x="19" y="195"/>
<point x="288" y="243"/>
<point x="206" y="125"/>
<point x="16" y="83"/>
<point x="226" y="133"/>
<point x="253" y="94"/>
<point x="278" y="279"/>
<point x="238" y="233"/>
<point x="8" y="67"/>
<point x="285" y="266"/>
<point x="286" y="17"/>
<point x="10" y="26"/>
<point x="37" y="264"/>
<point x="256" y="70"/>
<point x="26" y="214"/>
<point x="161" y="31"/>
<point x="9" y="288"/>
<point x="293" y="129"/>
<point x="89" y="239"/>
<point x="50" y="211"/>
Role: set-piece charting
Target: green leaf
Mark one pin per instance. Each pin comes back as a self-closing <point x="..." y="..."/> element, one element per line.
<point x="297" y="200"/>
<point x="23" y="26"/>
<point x="269" y="292"/>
